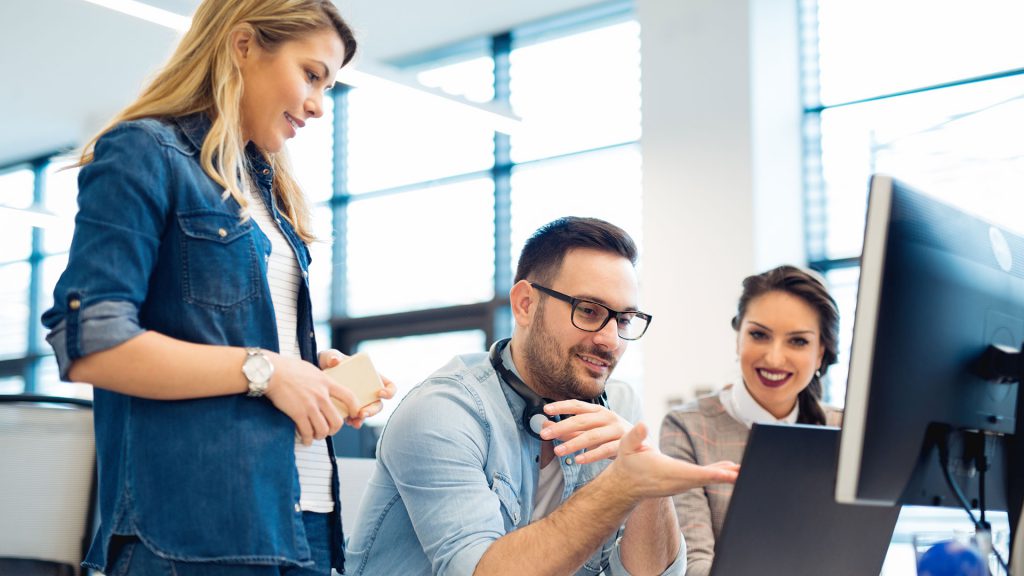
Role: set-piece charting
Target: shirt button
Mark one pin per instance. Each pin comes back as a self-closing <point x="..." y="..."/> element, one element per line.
<point x="265" y="172"/>
<point x="75" y="304"/>
<point x="568" y="460"/>
<point x="298" y="508"/>
<point x="305" y="274"/>
<point x="222" y="232"/>
<point x="312" y="334"/>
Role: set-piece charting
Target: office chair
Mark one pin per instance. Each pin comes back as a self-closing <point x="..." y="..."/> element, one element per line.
<point x="47" y="484"/>
<point x="353" y="476"/>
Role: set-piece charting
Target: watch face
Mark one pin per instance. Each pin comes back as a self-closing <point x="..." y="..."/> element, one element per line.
<point x="257" y="368"/>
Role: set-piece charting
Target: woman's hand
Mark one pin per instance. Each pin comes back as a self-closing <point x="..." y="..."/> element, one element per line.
<point x="331" y="358"/>
<point x="304" y="393"/>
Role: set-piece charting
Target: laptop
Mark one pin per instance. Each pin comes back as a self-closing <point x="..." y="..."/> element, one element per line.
<point x="783" y="518"/>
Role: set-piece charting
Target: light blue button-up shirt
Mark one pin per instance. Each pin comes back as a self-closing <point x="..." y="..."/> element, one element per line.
<point x="456" y="471"/>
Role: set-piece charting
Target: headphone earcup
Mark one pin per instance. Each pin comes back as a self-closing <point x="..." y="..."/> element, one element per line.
<point x="534" y="418"/>
<point x="533" y="414"/>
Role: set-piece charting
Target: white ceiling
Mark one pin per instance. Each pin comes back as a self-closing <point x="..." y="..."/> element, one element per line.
<point x="69" y="65"/>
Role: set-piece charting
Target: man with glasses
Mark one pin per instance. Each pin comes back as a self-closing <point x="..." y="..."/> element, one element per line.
<point x="529" y="460"/>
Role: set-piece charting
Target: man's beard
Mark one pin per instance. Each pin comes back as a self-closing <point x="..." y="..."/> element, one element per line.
<point x="554" y="377"/>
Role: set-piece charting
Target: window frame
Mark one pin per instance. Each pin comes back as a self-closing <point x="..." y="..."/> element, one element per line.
<point x="26" y="366"/>
<point x="493" y="317"/>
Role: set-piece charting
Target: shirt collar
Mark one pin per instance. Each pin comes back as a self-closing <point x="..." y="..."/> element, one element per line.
<point x="506" y="357"/>
<point x="739" y="403"/>
<point x="195" y="127"/>
<point x="515" y="403"/>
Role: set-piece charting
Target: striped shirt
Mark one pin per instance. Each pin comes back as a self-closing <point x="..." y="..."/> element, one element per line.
<point x="284" y="277"/>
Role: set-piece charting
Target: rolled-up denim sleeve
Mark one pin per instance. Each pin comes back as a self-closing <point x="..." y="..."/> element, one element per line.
<point x="434" y="447"/>
<point x="677" y="568"/>
<point x="123" y="204"/>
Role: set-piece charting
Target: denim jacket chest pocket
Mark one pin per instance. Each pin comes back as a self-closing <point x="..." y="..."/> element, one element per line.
<point x="220" y="266"/>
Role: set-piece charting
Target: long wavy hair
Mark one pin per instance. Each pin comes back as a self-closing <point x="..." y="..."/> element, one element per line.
<point x="202" y="76"/>
<point x="810" y="288"/>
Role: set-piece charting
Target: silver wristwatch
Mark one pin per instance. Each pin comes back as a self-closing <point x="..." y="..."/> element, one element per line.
<point x="258" y="370"/>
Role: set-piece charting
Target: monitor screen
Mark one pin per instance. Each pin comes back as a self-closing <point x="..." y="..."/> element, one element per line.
<point x="937" y="287"/>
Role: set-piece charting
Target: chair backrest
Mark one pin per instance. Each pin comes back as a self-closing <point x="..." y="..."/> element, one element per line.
<point x="354" y="474"/>
<point x="47" y="482"/>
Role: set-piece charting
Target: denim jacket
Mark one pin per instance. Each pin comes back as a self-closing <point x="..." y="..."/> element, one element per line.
<point x="456" y="471"/>
<point x="157" y="247"/>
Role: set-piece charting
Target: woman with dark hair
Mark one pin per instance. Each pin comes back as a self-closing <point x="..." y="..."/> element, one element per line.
<point x="787" y="328"/>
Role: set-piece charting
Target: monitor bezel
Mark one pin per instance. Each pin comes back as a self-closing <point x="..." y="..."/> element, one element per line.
<point x="862" y="352"/>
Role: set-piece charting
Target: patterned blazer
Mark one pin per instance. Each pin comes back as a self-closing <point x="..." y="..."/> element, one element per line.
<point x="702" y="432"/>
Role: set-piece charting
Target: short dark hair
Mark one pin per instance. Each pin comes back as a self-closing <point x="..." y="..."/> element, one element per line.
<point x="811" y="289"/>
<point x="543" y="253"/>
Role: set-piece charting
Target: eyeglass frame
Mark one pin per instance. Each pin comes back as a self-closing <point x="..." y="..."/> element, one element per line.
<point x="612" y="313"/>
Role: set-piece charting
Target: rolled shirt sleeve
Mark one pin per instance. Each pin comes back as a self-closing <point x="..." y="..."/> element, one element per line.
<point x="96" y="328"/>
<point x="123" y="203"/>
<point x="677" y="568"/>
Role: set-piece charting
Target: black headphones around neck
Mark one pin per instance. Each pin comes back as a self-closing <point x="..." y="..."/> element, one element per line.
<point x="533" y="414"/>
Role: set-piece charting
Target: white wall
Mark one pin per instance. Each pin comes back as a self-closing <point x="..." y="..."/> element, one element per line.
<point x="721" y="149"/>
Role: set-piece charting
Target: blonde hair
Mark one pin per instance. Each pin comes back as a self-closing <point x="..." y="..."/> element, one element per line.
<point x="202" y="76"/>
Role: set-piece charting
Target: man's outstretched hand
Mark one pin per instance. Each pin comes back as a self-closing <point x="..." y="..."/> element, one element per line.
<point x="645" y="472"/>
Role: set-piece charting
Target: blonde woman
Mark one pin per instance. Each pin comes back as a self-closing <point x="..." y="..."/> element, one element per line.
<point x="185" y="304"/>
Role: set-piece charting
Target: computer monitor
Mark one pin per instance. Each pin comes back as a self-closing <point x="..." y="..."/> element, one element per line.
<point x="938" y="287"/>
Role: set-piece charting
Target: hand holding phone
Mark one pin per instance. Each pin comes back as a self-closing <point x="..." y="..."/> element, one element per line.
<point x="358" y="375"/>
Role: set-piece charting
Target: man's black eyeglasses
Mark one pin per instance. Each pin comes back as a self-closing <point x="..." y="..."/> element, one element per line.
<point x="592" y="316"/>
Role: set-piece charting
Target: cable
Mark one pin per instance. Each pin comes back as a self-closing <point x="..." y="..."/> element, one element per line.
<point x="955" y="488"/>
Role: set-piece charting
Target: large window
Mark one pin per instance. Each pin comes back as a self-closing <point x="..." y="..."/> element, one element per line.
<point x="34" y="239"/>
<point x="931" y="93"/>
<point x="434" y="205"/>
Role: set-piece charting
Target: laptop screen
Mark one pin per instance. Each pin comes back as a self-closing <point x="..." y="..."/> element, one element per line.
<point x="783" y="517"/>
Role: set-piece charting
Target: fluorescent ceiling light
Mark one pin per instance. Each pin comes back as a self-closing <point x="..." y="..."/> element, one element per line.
<point x="494" y="116"/>
<point x="146" y="12"/>
<point x="498" y="118"/>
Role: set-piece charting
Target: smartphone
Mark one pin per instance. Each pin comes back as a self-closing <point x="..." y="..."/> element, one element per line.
<point x="358" y="375"/>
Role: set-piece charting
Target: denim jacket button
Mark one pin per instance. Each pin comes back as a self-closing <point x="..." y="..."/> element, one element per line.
<point x="568" y="460"/>
<point x="298" y="508"/>
<point x="75" y="304"/>
<point x="266" y="171"/>
<point x="312" y="334"/>
<point x="222" y="232"/>
<point x="305" y="274"/>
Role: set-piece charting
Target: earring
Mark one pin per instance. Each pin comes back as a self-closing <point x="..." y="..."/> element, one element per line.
<point x="817" y="373"/>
